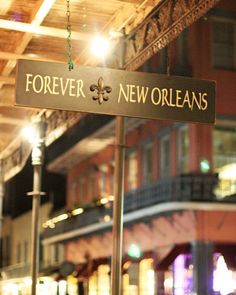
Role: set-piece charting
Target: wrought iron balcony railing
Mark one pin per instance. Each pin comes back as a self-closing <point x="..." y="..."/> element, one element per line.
<point x="22" y="270"/>
<point x="189" y="187"/>
<point x="15" y="271"/>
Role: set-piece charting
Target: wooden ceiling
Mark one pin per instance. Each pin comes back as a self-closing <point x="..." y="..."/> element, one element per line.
<point x="36" y="29"/>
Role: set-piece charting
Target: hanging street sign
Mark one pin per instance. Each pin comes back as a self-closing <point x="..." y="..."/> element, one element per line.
<point x="114" y="92"/>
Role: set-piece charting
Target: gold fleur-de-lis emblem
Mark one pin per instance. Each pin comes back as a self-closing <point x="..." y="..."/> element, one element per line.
<point x="101" y="91"/>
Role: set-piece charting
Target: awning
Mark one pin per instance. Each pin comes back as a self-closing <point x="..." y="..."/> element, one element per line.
<point x="84" y="270"/>
<point x="229" y="253"/>
<point x="170" y="257"/>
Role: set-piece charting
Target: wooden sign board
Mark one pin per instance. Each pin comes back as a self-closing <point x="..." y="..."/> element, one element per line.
<point x="114" y="92"/>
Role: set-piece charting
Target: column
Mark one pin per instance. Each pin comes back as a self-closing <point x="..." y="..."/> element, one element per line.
<point x="202" y="252"/>
<point x="160" y="282"/>
<point x="1" y="212"/>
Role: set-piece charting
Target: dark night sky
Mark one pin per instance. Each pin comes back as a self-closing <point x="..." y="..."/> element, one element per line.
<point x="16" y="200"/>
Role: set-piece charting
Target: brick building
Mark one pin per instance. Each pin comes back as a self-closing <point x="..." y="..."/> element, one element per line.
<point x="179" y="206"/>
<point x="179" y="200"/>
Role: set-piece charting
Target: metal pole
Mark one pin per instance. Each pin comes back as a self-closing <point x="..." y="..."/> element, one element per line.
<point x="37" y="161"/>
<point x="1" y="210"/>
<point x="118" y="207"/>
<point x="117" y="232"/>
<point x="35" y="227"/>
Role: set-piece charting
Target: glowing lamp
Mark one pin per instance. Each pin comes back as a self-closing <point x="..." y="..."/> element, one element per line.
<point x="30" y="133"/>
<point x="100" y="46"/>
<point x="204" y="166"/>
<point x="134" y="251"/>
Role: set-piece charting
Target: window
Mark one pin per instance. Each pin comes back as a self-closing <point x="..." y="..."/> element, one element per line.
<point x="6" y="250"/>
<point x="224" y="143"/>
<point x="18" y="253"/>
<point x="183" y="148"/>
<point x="146" y="277"/>
<point x="73" y="194"/>
<point x="147" y="163"/>
<point x="103" y="280"/>
<point x="165" y="156"/>
<point x="112" y="176"/>
<point x="91" y="186"/>
<point x="26" y="251"/>
<point x="224" y="158"/>
<point x="132" y="170"/>
<point x="57" y="253"/>
<point x="133" y="273"/>
<point x="92" y="284"/>
<point x="81" y="189"/>
<point x="223" y="44"/>
<point x="103" y="169"/>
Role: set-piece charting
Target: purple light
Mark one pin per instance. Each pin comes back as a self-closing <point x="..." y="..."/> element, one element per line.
<point x="183" y="275"/>
<point x="179" y="275"/>
<point x="15" y="16"/>
<point x="223" y="278"/>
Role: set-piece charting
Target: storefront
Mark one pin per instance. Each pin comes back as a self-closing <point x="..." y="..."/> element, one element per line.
<point x="140" y="278"/>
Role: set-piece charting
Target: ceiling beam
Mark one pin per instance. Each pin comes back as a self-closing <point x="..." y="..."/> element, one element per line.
<point x="7" y="80"/>
<point x="5" y="5"/>
<point x="39" y="12"/>
<point x="42" y="30"/>
<point x="14" y="56"/>
<point x="11" y="121"/>
<point x="7" y="96"/>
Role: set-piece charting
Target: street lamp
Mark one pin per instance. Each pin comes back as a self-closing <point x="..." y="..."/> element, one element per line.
<point x="37" y="140"/>
<point x="1" y="207"/>
<point x="100" y="46"/>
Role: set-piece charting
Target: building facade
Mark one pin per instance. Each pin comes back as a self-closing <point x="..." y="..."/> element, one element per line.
<point x="16" y="252"/>
<point x="179" y="203"/>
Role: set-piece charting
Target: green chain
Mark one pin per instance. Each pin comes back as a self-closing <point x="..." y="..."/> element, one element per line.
<point x="70" y="61"/>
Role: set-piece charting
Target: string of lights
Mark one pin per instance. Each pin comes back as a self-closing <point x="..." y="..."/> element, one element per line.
<point x="104" y="201"/>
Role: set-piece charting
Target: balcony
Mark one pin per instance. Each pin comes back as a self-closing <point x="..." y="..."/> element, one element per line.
<point x="19" y="270"/>
<point x="23" y="270"/>
<point x="181" y="188"/>
<point x="191" y="187"/>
